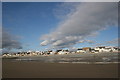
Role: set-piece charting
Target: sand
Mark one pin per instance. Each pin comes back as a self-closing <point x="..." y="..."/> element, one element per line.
<point x="32" y="69"/>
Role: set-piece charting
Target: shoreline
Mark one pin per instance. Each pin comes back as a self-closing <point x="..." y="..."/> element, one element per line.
<point x="100" y="53"/>
<point x="70" y="58"/>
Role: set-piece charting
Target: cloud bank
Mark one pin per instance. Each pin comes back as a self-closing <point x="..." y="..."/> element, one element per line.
<point x="9" y="41"/>
<point x="86" y="20"/>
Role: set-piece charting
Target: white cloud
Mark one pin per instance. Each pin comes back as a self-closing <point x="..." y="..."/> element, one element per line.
<point x="44" y="43"/>
<point x="112" y="42"/>
<point x="87" y="19"/>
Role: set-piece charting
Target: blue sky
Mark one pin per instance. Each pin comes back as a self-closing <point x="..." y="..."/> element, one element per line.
<point x="29" y="21"/>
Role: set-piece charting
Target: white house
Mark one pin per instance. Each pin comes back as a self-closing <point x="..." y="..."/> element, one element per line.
<point x="103" y="49"/>
<point x="80" y="51"/>
<point x="115" y="49"/>
<point x="63" y="52"/>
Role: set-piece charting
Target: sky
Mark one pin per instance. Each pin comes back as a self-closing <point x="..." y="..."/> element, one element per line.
<point x="55" y="25"/>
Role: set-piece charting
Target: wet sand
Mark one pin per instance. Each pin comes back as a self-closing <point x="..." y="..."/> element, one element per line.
<point x="32" y="69"/>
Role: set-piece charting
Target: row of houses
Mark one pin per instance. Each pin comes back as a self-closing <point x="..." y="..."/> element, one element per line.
<point x="97" y="49"/>
<point x="61" y="51"/>
<point x="36" y="53"/>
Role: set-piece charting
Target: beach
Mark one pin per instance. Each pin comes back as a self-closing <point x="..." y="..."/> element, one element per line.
<point x="59" y="39"/>
<point x="36" y="69"/>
